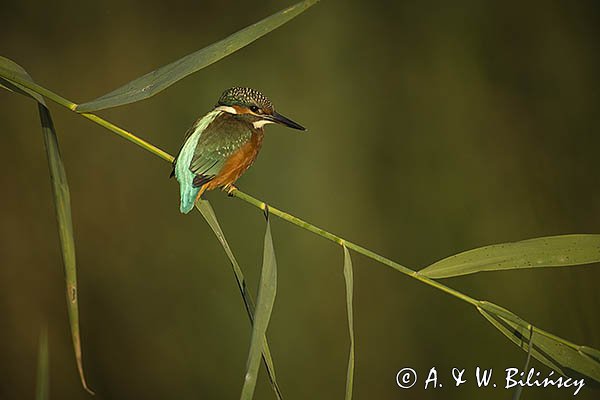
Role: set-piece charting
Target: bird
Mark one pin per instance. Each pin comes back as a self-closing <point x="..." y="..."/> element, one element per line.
<point x="220" y="146"/>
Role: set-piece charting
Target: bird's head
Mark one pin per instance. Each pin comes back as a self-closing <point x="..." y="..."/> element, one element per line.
<point x="254" y="106"/>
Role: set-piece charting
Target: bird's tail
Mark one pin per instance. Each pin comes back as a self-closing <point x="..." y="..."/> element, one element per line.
<point x="189" y="193"/>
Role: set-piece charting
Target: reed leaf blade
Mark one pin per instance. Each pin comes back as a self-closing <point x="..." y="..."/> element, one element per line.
<point x="42" y="385"/>
<point x="349" y="278"/>
<point x="559" y="354"/>
<point x="517" y="393"/>
<point x="62" y="202"/>
<point x="158" y="80"/>
<point x="209" y="215"/>
<point x="264" y="307"/>
<point x="11" y="69"/>
<point x="550" y="251"/>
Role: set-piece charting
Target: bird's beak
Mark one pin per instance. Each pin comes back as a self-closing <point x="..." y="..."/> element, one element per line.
<point x="280" y="119"/>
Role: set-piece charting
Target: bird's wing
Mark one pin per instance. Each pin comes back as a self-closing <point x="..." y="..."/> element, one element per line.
<point x="221" y="138"/>
<point x="188" y="133"/>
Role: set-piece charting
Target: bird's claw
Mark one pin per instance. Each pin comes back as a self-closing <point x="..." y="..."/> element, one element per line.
<point x="230" y="189"/>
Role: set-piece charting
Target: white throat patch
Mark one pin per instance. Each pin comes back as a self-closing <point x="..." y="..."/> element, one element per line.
<point x="261" y="123"/>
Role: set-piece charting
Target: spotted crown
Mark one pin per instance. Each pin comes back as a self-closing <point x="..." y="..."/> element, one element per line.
<point x="246" y="97"/>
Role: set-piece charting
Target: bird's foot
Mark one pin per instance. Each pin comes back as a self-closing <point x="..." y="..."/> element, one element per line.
<point x="230" y="189"/>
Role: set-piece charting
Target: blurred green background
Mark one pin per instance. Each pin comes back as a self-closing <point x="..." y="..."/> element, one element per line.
<point x="434" y="127"/>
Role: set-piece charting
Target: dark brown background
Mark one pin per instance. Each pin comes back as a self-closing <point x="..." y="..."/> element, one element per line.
<point x="434" y="127"/>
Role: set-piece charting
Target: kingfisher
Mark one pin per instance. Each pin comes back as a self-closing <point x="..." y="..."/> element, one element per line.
<point x="223" y="144"/>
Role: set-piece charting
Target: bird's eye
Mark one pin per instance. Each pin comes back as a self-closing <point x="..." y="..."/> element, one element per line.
<point x="255" y="109"/>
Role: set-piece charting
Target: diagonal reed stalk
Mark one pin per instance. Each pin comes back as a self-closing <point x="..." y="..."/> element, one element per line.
<point x="238" y="193"/>
<point x="504" y="318"/>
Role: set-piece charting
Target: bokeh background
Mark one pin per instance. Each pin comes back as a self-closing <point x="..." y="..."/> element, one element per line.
<point x="434" y="127"/>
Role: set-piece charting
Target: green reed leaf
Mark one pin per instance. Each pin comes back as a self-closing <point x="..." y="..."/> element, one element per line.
<point x="209" y="215"/>
<point x="11" y="69"/>
<point x="519" y="389"/>
<point x="349" y="278"/>
<point x="264" y="307"/>
<point x="62" y="202"/>
<point x="559" y="354"/>
<point x="160" y="79"/>
<point x="550" y="251"/>
<point x="591" y="352"/>
<point x="42" y="385"/>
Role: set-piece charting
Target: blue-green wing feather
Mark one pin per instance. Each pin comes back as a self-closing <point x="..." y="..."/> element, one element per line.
<point x="184" y="175"/>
